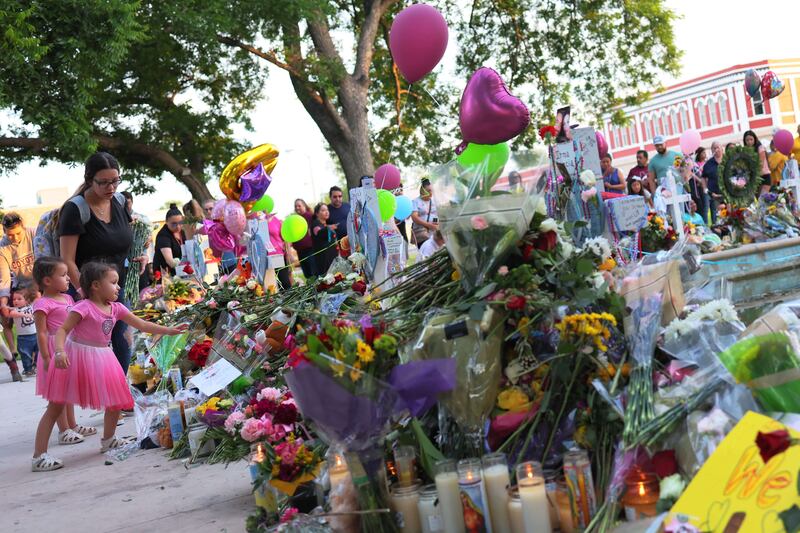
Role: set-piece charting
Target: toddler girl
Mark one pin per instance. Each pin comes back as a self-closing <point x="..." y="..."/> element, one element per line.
<point x="22" y="313"/>
<point x="49" y="313"/>
<point x="86" y="372"/>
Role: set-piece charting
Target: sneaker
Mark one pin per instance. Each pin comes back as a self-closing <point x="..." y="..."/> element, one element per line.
<point x="46" y="463"/>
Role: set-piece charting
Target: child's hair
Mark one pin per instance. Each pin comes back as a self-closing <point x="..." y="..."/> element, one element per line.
<point x="29" y="293"/>
<point x="45" y="267"/>
<point x="91" y="272"/>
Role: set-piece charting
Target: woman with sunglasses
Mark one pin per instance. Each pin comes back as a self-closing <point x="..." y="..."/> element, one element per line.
<point x="169" y="240"/>
<point x="94" y="225"/>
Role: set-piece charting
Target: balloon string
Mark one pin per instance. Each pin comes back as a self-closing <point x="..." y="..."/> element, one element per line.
<point x="435" y="101"/>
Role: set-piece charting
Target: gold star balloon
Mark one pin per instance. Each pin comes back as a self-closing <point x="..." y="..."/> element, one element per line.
<point x="229" y="181"/>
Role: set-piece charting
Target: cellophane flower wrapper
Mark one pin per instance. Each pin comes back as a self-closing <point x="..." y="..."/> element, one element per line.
<point x="238" y="347"/>
<point x="770" y="367"/>
<point x="167" y="349"/>
<point x="700" y="342"/>
<point x="480" y="226"/>
<point x="302" y="523"/>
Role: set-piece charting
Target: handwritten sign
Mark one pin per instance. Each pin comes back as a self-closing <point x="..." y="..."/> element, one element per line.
<point x="215" y="377"/>
<point x="580" y="153"/>
<point x="735" y="486"/>
<point x="629" y="213"/>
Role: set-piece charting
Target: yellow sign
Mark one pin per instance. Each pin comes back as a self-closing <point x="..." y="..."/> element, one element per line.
<point x="735" y="490"/>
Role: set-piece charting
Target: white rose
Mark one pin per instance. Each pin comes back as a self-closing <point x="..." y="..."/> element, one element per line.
<point x="329" y="279"/>
<point x="671" y="487"/>
<point x="548" y="224"/>
<point x="588" y="178"/>
<point x="251" y="284"/>
<point x="541" y="207"/>
<point x="567" y="249"/>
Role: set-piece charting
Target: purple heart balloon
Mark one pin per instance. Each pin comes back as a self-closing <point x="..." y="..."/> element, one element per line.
<point x="489" y="113"/>
<point x="254" y="183"/>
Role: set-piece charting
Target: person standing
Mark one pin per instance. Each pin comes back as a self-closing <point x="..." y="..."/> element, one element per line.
<point x="424" y="218"/>
<point x="640" y="170"/>
<point x="751" y="140"/>
<point x="169" y="242"/>
<point x="16" y="268"/>
<point x="338" y="210"/>
<point x="94" y="225"/>
<point x="612" y="177"/>
<point x="146" y="278"/>
<point x="305" y="246"/>
<point x="323" y="236"/>
<point x="636" y="188"/>
<point x="710" y="175"/>
<point x="22" y="313"/>
<point x="661" y="162"/>
<point x="776" y="162"/>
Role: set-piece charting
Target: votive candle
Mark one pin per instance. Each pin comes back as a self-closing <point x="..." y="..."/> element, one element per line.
<point x="404" y="465"/>
<point x="497" y="480"/>
<point x="404" y="502"/>
<point x="473" y="496"/>
<point x="516" y="523"/>
<point x="533" y="496"/>
<point x="449" y="496"/>
<point x="429" y="516"/>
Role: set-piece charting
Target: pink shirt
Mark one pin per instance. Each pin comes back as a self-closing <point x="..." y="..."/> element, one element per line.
<point x="96" y="325"/>
<point x="275" y="235"/>
<point x="54" y="311"/>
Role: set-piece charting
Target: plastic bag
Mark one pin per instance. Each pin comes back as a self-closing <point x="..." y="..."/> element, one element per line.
<point x="150" y="412"/>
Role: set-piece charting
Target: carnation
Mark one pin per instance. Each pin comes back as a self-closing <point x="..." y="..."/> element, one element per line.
<point x="588" y="178"/>
<point x="233" y="421"/>
<point x="269" y="393"/>
<point x="285" y="414"/>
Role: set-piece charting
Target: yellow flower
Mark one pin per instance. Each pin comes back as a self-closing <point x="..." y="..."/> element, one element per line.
<point x="338" y="369"/>
<point x="514" y="400"/>
<point x="339" y="354"/>
<point x="455" y="276"/>
<point x="523" y="325"/>
<point x="365" y="352"/>
<point x="608" y="265"/>
<point x="355" y="373"/>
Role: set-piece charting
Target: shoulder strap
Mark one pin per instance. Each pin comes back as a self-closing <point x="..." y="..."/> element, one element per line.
<point x="83" y="207"/>
<point x="120" y="198"/>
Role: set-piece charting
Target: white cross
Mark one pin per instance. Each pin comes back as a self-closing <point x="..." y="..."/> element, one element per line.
<point x="793" y="182"/>
<point x="675" y="204"/>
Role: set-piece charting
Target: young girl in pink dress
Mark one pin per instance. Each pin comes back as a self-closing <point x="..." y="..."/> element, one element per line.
<point x="49" y="313"/>
<point x="86" y="372"/>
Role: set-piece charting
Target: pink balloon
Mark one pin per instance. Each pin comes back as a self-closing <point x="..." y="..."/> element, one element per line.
<point x="235" y="218"/>
<point x="417" y="39"/>
<point x="219" y="239"/>
<point x="387" y="176"/>
<point x="489" y="114"/>
<point x="602" y="144"/>
<point x="690" y="141"/>
<point x="218" y="211"/>
<point x="784" y="142"/>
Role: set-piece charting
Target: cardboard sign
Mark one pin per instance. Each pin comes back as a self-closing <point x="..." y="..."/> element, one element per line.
<point x="736" y="487"/>
<point x="580" y="153"/>
<point x="215" y="377"/>
<point x="629" y="213"/>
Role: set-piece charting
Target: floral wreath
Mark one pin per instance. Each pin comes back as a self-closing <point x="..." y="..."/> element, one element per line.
<point x="739" y="175"/>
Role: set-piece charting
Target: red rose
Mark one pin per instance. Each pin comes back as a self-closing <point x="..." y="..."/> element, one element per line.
<point x="544" y="131"/>
<point x="338" y="276"/>
<point x="199" y="353"/>
<point x="157" y="275"/>
<point x="773" y="443"/>
<point x="187" y="268"/>
<point x="665" y="463"/>
<point x="286" y="413"/>
<point x="546" y="241"/>
<point x="527" y="250"/>
<point x="360" y="287"/>
<point x="516" y="303"/>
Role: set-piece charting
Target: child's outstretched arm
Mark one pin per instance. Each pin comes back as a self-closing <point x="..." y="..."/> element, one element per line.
<point x="148" y="327"/>
<point x="60" y="358"/>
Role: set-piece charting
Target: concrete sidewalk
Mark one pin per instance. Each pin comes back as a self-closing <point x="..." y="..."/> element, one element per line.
<point x="145" y="493"/>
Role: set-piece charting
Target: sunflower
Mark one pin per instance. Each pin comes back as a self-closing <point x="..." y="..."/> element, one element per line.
<point x="365" y="352"/>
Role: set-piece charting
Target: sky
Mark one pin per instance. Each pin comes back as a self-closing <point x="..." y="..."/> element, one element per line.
<point x="714" y="34"/>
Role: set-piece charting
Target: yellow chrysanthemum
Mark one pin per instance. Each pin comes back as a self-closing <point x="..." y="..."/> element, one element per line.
<point x="514" y="400"/>
<point x="608" y="265"/>
<point x="365" y="352"/>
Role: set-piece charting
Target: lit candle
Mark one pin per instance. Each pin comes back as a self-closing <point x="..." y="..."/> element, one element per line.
<point x="404" y="502"/>
<point x="264" y="498"/>
<point x="337" y="471"/>
<point x="516" y="523"/>
<point x="533" y="496"/>
<point x="449" y="497"/>
<point x="404" y="463"/>
<point x="641" y="495"/>
<point x="429" y="516"/>
<point x="473" y="496"/>
<point x="343" y="498"/>
<point x="497" y="481"/>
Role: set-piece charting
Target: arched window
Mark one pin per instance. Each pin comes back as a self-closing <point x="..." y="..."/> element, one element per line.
<point x="673" y="117"/>
<point x="684" y="114"/>
<point x="648" y="127"/>
<point x="701" y="110"/>
<point x="723" y="108"/>
<point x="634" y="133"/>
<point x="712" y="111"/>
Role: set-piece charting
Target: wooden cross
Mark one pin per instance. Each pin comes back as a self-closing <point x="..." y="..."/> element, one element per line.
<point x="675" y="204"/>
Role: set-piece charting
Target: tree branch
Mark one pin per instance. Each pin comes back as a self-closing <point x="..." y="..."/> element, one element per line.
<point x="272" y="57"/>
<point x="321" y="37"/>
<point x="366" y="40"/>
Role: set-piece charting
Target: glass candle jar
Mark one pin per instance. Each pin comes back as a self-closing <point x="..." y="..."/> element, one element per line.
<point x="473" y="496"/>
<point x="516" y="523"/>
<point x="641" y="495"/>
<point x="404" y="501"/>
<point x="449" y="496"/>
<point x="404" y="465"/>
<point x="429" y="516"/>
<point x="532" y="494"/>
<point x="497" y="480"/>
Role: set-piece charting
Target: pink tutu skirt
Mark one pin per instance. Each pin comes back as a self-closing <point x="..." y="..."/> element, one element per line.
<point x="94" y="379"/>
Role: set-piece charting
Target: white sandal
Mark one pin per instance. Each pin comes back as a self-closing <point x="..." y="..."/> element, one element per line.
<point x="84" y="430"/>
<point x="69" y="437"/>
<point x="113" y="443"/>
<point x="46" y="463"/>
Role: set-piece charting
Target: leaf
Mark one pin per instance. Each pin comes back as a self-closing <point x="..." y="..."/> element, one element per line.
<point x="476" y="311"/>
<point x="791" y="519"/>
<point x="485" y="291"/>
<point x="584" y="267"/>
<point x="429" y="454"/>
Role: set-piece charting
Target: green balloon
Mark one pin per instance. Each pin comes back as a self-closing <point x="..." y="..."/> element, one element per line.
<point x="387" y="204"/>
<point x="265" y="203"/>
<point x="294" y="228"/>
<point x="475" y="154"/>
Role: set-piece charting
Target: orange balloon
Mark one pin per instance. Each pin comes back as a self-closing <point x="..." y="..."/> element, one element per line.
<point x="229" y="183"/>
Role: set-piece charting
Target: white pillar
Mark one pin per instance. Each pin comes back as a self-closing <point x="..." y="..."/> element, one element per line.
<point x="741" y="107"/>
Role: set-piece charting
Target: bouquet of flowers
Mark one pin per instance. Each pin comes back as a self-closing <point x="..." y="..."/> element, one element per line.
<point x="656" y="236"/>
<point x="141" y="234"/>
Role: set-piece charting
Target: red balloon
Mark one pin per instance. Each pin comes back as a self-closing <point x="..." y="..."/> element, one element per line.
<point x="784" y="142"/>
<point x="418" y="40"/>
<point x="387" y="177"/>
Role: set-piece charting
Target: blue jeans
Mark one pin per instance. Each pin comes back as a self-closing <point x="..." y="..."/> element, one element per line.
<point x="28" y="349"/>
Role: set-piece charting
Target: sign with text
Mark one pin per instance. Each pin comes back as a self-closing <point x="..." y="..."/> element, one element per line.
<point x="629" y="213"/>
<point x="735" y="490"/>
<point x="580" y="153"/>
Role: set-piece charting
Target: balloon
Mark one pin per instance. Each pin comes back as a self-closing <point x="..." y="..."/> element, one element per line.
<point x="690" y="141"/>
<point x="219" y="238"/>
<point x="229" y="182"/>
<point x="294" y="228"/>
<point x="602" y="144"/>
<point x="495" y="155"/>
<point x="387" y="204"/>
<point x="417" y="40"/>
<point x="387" y="176"/>
<point x="235" y="218"/>
<point x="771" y="86"/>
<point x="489" y="114"/>
<point x="784" y="142"/>
<point x="265" y="204"/>
<point x="404" y="207"/>
<point x="254" y="184"/>
<point x="218" y="211"/>
<point x="752" y="82"/>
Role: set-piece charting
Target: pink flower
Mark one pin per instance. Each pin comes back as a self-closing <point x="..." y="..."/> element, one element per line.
<point x="212" y="304"/>
<point x="497" y="296"/>
<point x="233" y="420"/>
<point x="251" y="430"/>
<point x="479" y="223"/>
<point x="289" y="514"/>
<point x="588" y="194"/>
<point x="502" y="271"/>
<point x="269" y="393"/>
